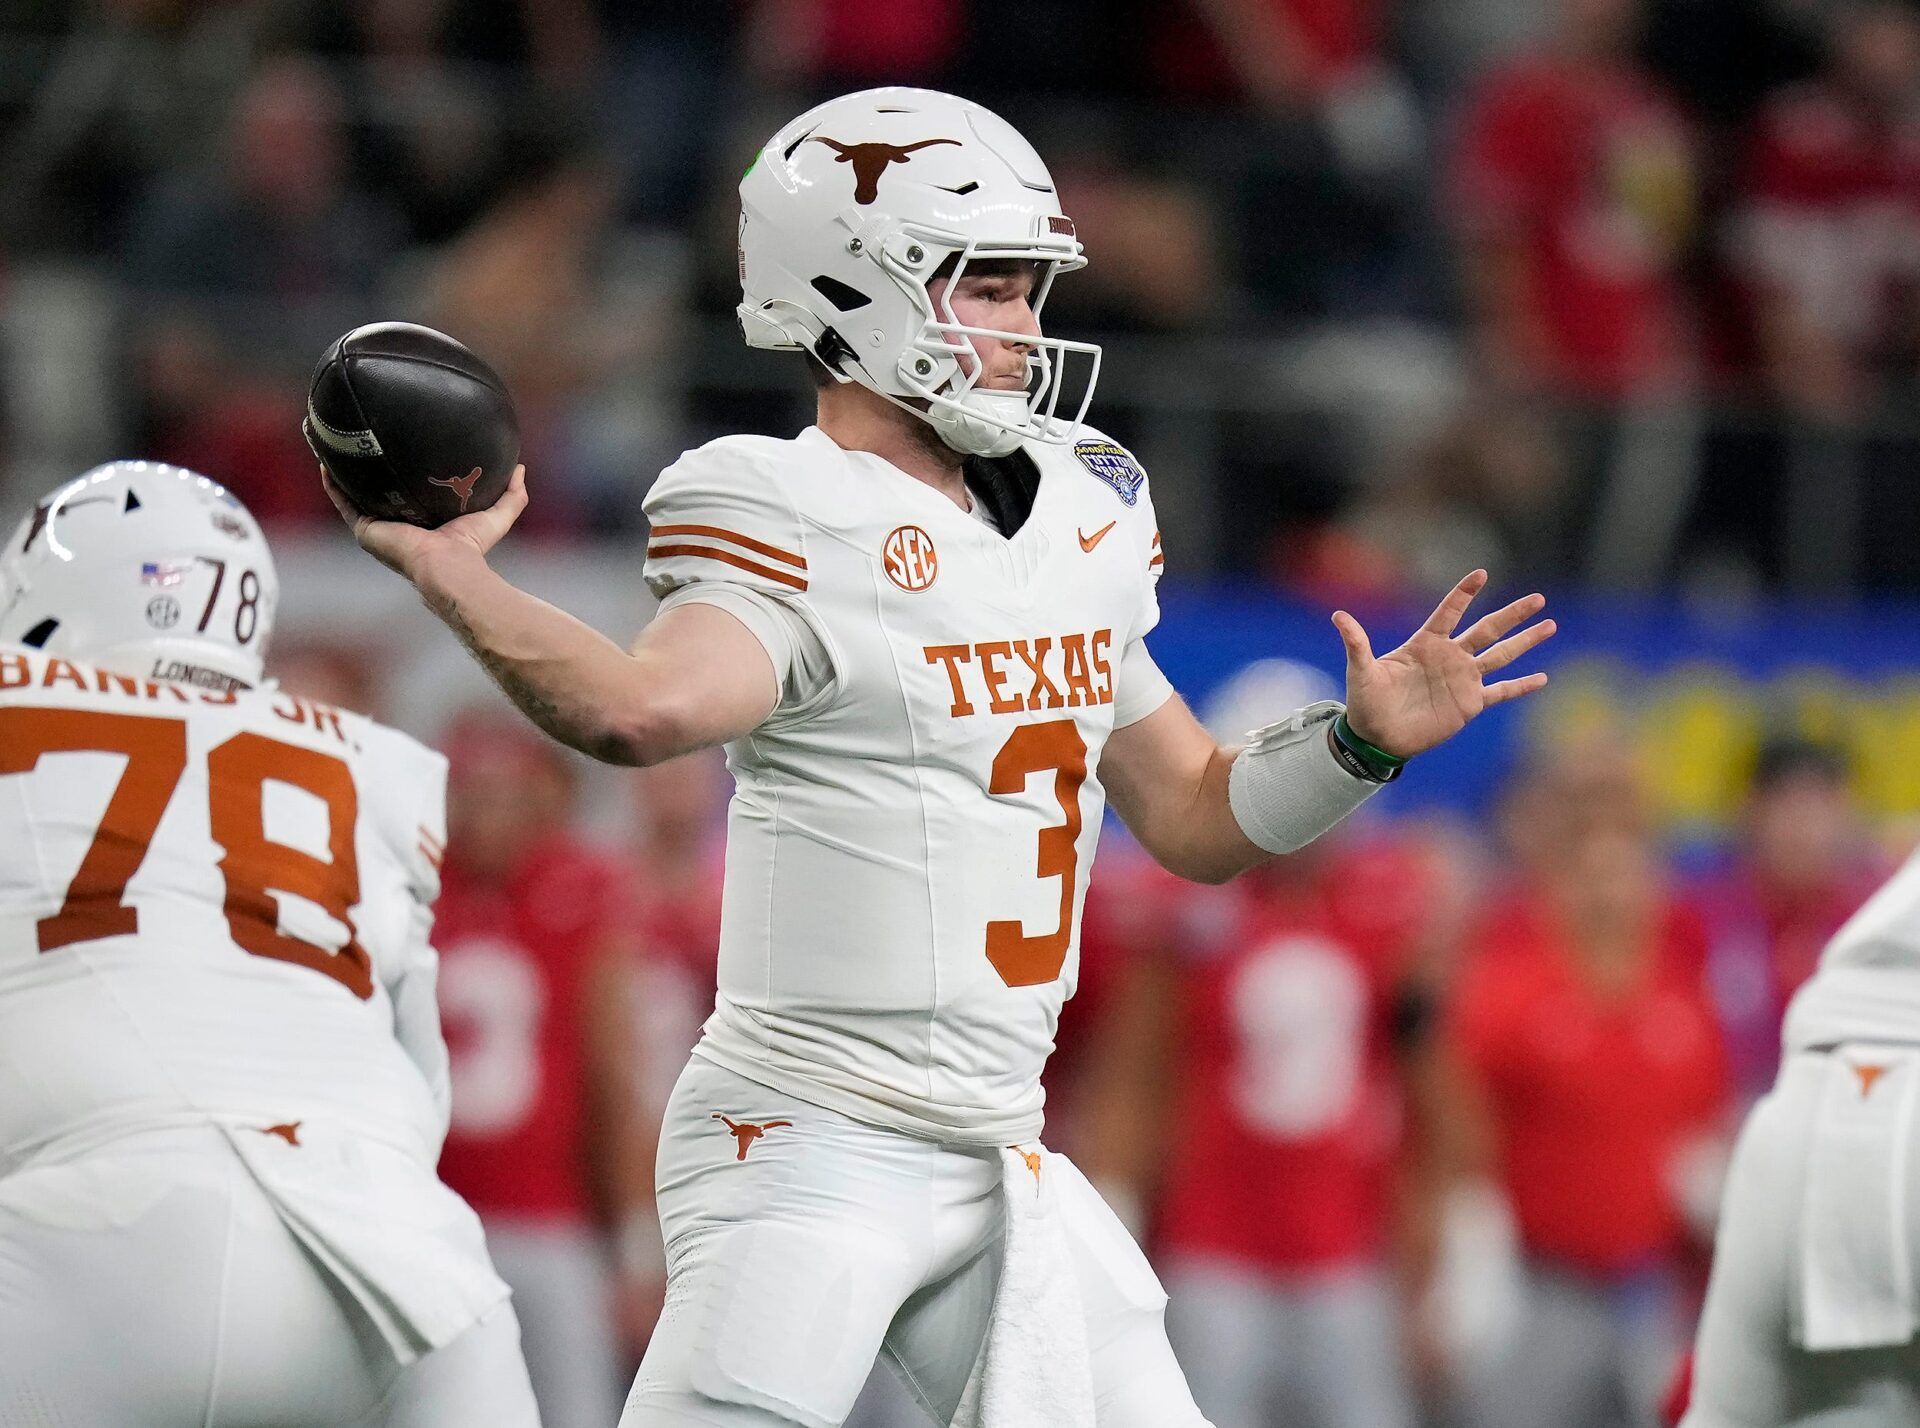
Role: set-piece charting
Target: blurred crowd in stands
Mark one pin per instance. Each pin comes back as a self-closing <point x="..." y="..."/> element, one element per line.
<point x="1615" y="290"/>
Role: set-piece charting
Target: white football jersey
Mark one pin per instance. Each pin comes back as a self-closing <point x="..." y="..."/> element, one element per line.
<point x="214" y="907"/>
<point x="1868" y="985"/>
<point x="908" y="843"/>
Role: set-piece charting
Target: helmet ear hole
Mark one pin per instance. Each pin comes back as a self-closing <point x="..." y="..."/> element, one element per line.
<point x="37" y="637"/>
<point x="843" y="296"/>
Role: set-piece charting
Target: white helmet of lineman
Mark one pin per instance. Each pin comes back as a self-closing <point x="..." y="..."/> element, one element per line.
<point x="849" y="211"/>
<point x="145" y="569"/>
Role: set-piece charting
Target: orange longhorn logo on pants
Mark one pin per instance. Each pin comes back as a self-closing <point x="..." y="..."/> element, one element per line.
<point x="746" y="1132"/>
<point x="1868" y="1075"/>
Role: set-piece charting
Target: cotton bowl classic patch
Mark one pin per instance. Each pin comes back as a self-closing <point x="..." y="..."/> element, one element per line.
<point x="1114" y="465"/>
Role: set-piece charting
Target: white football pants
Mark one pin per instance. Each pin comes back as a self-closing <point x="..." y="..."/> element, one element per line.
<point x="154" y="1287"/>
<point x="801" y="1244"/>
<point x="1748" y="1371"/>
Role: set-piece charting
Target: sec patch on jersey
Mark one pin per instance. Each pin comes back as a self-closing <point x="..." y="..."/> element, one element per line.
<point x="1115" y="465"/>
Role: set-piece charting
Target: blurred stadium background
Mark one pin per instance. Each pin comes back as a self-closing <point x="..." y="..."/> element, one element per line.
<point x="1619" y="298"/>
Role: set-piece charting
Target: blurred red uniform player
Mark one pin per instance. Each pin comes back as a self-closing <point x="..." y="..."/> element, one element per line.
<point x="536" y="948"/>
<point x="1125" y="897"/>
<point x="1574" y="189"/>
<point x="1803" y="865"/>
<point x="1252" y="1082"/>
<point x="1282" y="1015"/>
<point x="676" y="861"/>
<point x="678" y="852"/>
<point x="1593" y="1066"/>
<point x="1826" y="229"/>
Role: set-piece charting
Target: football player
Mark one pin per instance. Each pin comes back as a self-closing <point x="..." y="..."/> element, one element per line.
<point x="537" y="965"/>
<point x="222" y="1083"/>
<point x="1285" y="999"/>
<point x="1812" y="1311"/>
<point x="919" y="627"/>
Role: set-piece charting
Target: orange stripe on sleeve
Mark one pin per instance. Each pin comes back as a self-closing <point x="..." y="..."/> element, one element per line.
<point x="772" y="552"/>
<point x="710" y="553"/>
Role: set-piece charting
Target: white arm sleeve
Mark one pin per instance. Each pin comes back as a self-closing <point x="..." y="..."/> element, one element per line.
<point x="802" y="665"/>
<point x="1140" y="687"/>
<point x="1286" y="787"/>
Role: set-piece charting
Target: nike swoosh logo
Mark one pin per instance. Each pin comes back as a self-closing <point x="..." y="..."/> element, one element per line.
<point x="1088" y="542"/>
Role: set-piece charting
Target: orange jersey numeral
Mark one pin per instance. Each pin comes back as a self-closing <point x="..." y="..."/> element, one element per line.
<point x="1020" y="959"/>
<point x="156" y="752"/>
<point x="253" y="866"/>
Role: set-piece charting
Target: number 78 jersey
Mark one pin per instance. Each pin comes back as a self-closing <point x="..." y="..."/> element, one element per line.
<point x="214" y="907"/>
<point x="910" y="835"/>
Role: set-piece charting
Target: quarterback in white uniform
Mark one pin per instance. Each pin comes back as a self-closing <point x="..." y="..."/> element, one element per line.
<point x="1812" y="1312"/>
<point x="222" y="1083"/>
<point x="919" y="628"/>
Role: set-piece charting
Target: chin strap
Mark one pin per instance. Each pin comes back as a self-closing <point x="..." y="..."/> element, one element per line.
<point x="965" y="431"/>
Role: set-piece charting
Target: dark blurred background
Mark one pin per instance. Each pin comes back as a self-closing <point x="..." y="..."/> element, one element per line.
<point x="1618" y="298"/>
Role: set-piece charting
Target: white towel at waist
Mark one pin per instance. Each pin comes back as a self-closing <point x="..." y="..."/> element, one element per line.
<point x="1856" y="1282"/>
<point x="1033" y="1369"/>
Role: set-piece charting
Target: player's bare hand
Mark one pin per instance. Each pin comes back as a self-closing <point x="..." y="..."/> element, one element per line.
<point x="405" y="549"/>
<point x="1429" y="689"/>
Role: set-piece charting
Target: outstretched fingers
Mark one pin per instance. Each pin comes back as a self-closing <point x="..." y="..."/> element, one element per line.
<point x="1514" y="688"/>
<point x="1447" y="614"/>
<point x="1359" y="647"/>
<point x="1491" y="627"/>
<point x="1511" y="648"/>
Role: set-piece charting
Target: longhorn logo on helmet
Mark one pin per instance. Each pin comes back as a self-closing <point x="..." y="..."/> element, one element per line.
<point x="871" y="160"/>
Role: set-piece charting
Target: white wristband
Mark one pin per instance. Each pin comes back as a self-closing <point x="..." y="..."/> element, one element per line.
<point x="1287" y="788"/>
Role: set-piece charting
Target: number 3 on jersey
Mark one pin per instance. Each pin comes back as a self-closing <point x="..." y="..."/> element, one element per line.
<point x="253" y="866"/>
<point x="1056" y="745"/>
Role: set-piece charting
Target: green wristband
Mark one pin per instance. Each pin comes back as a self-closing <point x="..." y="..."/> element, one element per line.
<point x="1381" y="763"/>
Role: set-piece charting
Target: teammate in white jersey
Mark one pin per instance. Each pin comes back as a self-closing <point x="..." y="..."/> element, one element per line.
<point x="222" y="1083"/>
<point x="1812" y="1313"/>
<point x="919" y="628"/>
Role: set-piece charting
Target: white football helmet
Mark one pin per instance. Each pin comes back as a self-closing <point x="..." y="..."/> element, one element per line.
<point x="846" y="214"/>
<point x="146" y="569"/>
